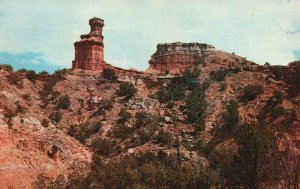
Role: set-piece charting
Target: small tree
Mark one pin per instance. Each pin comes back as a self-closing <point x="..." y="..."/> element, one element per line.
<point x="83" y="131"/>
<point x="124" y="116"/>
<point x="102" y="146"/>
<point x="250" y="92"/>
<point x="190" y="78"/>
<point x="141" y="119"/>
<point x="218" y="75"/>
<point x="55" y="116"/>
<point x="31" y="75"/>
<point x="254" y="159"/>
<point x="15" y="79"/>
<point x="63" y="102"/>
<point x="165" y="138"/>
<point x="196" y="106"/>
<point x="7" y="67"/>
<point x="173" y="92"/>
<point x="109" y="74"/>
<point x="231" y="116"/>
<point x="126" y="89"/>
<point x="122" y="131"/>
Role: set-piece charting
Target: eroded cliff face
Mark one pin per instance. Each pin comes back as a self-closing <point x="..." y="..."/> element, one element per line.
<point x="176" y="57"/>
<point x="30" y="144"/>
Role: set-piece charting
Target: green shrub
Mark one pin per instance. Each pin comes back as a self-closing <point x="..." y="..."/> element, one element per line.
<point x="55" y="117"/>
<point x="102" y="107"/>
<point x="31" y="75"/>
<point x="47" y="89"/>
<point x="102" y="146"/>
<point x="256" y="147"/>
<point x="218" y="75"/>
<point x="7" y="67"/>
<point x="190" y="78"/>
<point x="196" y="106"/>
<point x="109" y="74"/>
<point x="141" y="119"/>
<point x="63" y="102"/>
<point x="60" y="71"/>
<point x="231" y="117"/>
<point x="173" y="92"/>
<point x="250" y="92"/>
<point x="223" y="86"/>
<point x="143" y="170"/>
<point x="270" y="106"/>
<point x="205" y="85"/>
<point x="122" y="131"/>
<point x="43" y="73"/>
<point x="15" y="79"/>
<point x="83" y="131"/>
<point x="165" y="138"/>
<point x="278" y="111"/>
<point x="124" y="116"/>
<point x="126" y="89"/>
<point x="144" y="136"/>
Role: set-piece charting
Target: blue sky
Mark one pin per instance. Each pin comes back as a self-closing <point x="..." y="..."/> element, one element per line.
<point x="39" y="35"/>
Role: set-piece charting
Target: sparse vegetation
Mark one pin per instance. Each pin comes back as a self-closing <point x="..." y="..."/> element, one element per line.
<point x="230" y="117"/>
<point x="291" y="77"/>
<point x="63" y="102"/>
<point x="126" y="89"/>
<point x="105" y="105"/>
<point x="250" y="92"/>
<point x="190" y="78"/>
<point x="31" y="75"/>
<point x="15" y="79"/>
<point x="144" y="170"/>
<point x="83" y="131"/>
<point x="43" y="73"/>
<point x="124" y="116"/>
<point x="223" y="86"/>
<point x="256" y="147"/>
<point x="218" y="75"/>
<point x="164" y="138"/>
<point x="122" y="131"/>
<point x="103" y="146"/>
<point x="173" y="92"/>
<point x="55" y="117"/>
<point x="6" y="67"/>
<point x="196" y="106"/>
<point x="141" y="119"/>
<point x="109" y="74"/>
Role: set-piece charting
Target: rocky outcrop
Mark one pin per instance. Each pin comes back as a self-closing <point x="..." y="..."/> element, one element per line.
<point x="89" y="50"/>
<point x="176" y="57"/>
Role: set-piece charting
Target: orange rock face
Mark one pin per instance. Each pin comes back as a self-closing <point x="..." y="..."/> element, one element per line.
<point x="176" y="57"/>
<point x="89" y="50"/>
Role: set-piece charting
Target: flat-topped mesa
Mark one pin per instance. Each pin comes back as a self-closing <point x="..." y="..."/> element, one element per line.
<point x="176" y="57"/>
<point x="89" y="50"/>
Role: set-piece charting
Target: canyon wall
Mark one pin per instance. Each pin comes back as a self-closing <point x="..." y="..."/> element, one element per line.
<point x="176" y="57"/>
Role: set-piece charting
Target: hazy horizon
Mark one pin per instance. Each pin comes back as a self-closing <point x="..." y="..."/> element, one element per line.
<point x="40" y="36"/>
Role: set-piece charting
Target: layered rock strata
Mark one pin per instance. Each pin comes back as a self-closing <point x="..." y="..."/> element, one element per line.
<point x="89" y="50"/>
<point x="176" y="57"/>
